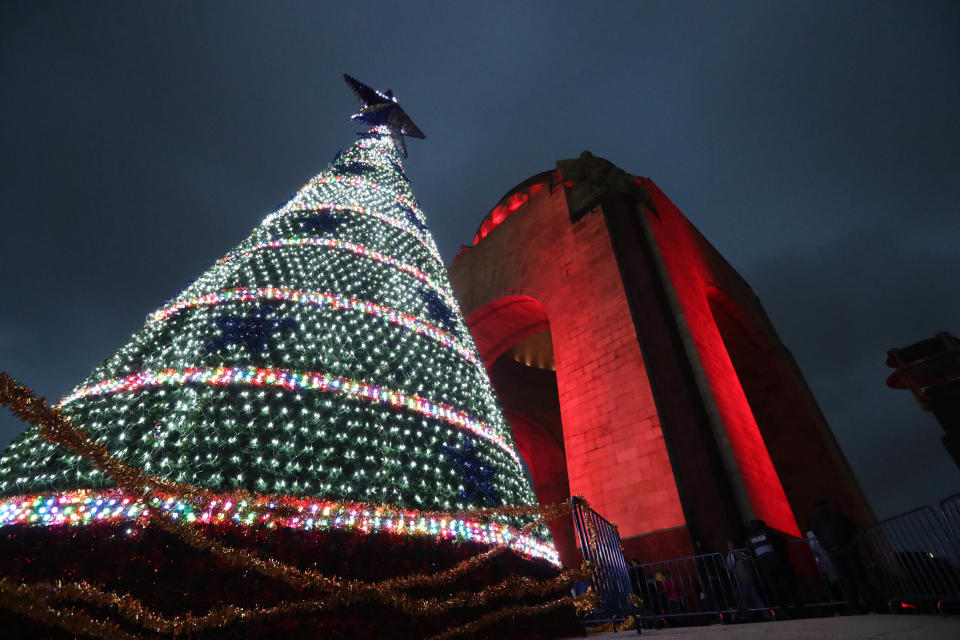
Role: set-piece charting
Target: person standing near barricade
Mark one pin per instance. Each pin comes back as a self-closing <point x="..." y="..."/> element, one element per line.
<point x="674" y="604"/>
<point x="772" y="564"/>
<point x="707" y="573"/>
<point x="838" y="537"/>
<point x="825" y="566"/>
<point x="740" y="567"/>
<point x="635" y="572"/>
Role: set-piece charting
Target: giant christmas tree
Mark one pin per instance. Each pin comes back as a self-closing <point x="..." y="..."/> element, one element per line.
<point x="324" y="358"/>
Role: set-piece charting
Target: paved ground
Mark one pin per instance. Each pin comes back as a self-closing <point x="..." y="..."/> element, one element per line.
<point x="901" y="627"/>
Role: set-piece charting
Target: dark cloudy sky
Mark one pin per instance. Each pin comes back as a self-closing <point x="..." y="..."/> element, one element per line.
<point x="814" y="143"/>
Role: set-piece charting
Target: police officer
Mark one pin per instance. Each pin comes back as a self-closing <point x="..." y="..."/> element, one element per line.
<point x="772" y="564"/>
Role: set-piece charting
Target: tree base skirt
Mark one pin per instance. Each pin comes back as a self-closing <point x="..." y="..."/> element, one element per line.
<point x="171" y="578"/>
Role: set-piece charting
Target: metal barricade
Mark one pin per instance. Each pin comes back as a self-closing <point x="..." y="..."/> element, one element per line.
<point x="600" y="544"/>
<point x="696" y="589"/>
<point x="950" y="509"/>
<point x="916" y="561"/>
<point x="802" y="579"/>
<point x="714" y="588"/>
<point x="914" y="558"/>
<point x="818" y="583"/>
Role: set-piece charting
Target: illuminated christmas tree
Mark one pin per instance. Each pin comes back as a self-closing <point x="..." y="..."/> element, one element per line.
<point x="325" y="357"/>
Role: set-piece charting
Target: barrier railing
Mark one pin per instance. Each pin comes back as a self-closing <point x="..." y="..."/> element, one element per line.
<point x="600" y="544"/>
<point x="693" y="587"/>
<point x="818" y="580"/>
<point x="916" y="561"/>
<point x="715" y="588"/>
<point x="912" y="559"/>
<point x="950" y="510"/>
<point x="807" y="580"/>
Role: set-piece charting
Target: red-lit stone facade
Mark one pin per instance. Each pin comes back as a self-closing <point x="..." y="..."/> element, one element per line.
<point x="638" y="369"/>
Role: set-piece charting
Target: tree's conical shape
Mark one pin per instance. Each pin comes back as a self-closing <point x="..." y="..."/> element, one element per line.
<point x="324" y="356"/>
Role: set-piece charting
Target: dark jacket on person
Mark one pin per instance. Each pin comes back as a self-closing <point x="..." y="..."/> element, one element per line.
<point x="833" y="530"/>
<point x="763" y="542"/>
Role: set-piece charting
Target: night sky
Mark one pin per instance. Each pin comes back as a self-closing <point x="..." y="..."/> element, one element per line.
<point x="815" y="144"/>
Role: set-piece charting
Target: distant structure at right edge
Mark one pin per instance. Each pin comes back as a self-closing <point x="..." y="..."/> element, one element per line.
<point x="638" y="369"/>
<point x="931" y="370"/>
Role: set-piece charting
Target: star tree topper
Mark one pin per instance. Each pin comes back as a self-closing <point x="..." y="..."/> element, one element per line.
<point x="382" y="110"/>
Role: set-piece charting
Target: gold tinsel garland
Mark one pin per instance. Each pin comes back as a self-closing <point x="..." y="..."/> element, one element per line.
<point x="135" y="611"/>
<point x="32" y="600"/>
<point x="23" y="600"/>
<point x="629" y="623"/>
<point x="581" y="603"/>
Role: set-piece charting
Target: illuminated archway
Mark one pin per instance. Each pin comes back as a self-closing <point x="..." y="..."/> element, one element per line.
<point x="505" y="329"/>
<point x="505" y="321"/>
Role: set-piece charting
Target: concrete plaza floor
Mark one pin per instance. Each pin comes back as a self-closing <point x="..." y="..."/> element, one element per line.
<point x="901" y="627"/>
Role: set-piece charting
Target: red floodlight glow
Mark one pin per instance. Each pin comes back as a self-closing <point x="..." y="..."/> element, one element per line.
<point x="503" y="210"/>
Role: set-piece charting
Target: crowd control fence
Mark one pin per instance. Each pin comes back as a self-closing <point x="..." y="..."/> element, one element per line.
<point x="910" y="562"/>
<point x="916" y="557"/>
<point x="950" y="510"/>
<point x="712" y="587"/>
<point x="599" y="542"/>
<point x="695" y="589"/>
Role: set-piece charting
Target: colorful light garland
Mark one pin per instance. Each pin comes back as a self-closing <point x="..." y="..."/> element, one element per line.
<point x="333" y="243"/>
<point x="313" y="380"/>
<point x="286" y="212"/>
<point x="369" y="184"/>
<point x="82" y="507"/>
<point x="331" y="300"/>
